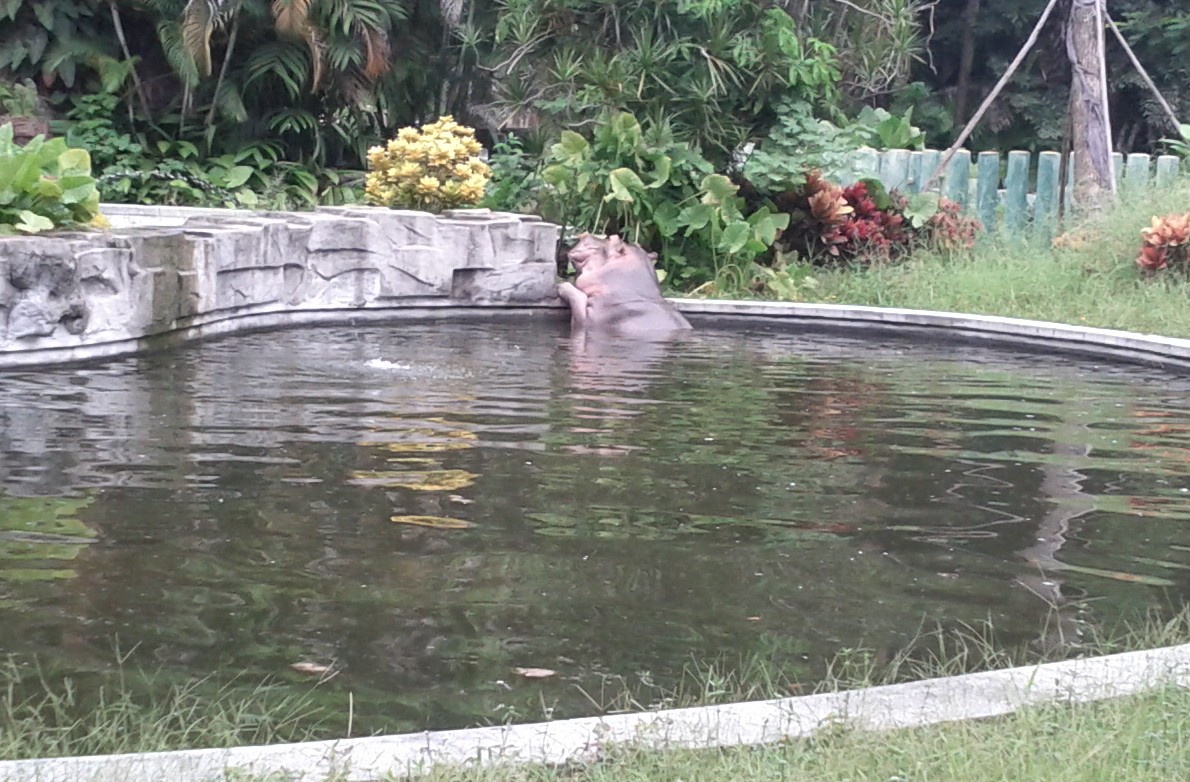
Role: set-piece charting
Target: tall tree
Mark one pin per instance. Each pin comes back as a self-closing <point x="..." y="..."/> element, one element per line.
<point x="1089" y="120"/>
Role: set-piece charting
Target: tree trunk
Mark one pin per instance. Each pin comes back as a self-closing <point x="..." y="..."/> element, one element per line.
<point x="1094" y="184"/>
<point x="966" y="62"/>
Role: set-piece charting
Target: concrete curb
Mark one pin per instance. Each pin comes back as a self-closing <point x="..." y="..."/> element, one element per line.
<point x="915" y="704"/>
<point x="1019" y="333"/>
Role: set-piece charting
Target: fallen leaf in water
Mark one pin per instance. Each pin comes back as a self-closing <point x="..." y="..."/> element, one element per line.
<point x="417" y="480"/>
<point x="534" y="673"/>
<point x="311" y="669"/>
<point x="460" y="499"/>
<point x="754" y="619"/>
<point x="436" y="522"/>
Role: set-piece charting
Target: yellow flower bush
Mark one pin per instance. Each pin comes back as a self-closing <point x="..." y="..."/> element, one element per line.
<point x="432" y="169"/>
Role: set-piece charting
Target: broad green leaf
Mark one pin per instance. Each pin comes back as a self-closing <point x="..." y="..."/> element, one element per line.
<point x="33" y="223"/>
<point x="623" y="183"/>
<point x="662" y="167"/>
<point x="717" y="189"/>
<point x="78" y="194"/>
<point x="877" y="192"/>
<point x="237" y="176"/>
<point x="765" y="225"/>
<point x="735" y="237"/>
<point x="557" y="175"/>
<point x="920" y="208"/>
<point x="74" y="161"/>
<point x="49" y="187"/>
<point x="695" y="217"/>
<point x="570" y="145"/>
<point x="665" y="219"/>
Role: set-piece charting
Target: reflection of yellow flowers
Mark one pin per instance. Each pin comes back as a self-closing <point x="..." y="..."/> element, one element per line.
<point x="434" y="168"/>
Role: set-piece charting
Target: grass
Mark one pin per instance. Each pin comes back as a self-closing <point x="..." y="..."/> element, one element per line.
<point x="1134" y="739"/>
<point x="134" y="712"/>
<point x="1089" y="277"/>
<point x="1144" y="737"/>
<point x="1138" y="738"/>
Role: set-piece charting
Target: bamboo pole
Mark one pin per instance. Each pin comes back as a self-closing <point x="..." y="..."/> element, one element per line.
<point x="995" y="93"/>
<point x="1144" y="75"/>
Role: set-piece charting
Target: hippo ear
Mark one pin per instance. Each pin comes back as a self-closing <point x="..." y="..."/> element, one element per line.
<point x="614" y="242"/>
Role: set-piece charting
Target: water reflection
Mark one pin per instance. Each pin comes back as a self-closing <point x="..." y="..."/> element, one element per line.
<point x="429" y="506"/>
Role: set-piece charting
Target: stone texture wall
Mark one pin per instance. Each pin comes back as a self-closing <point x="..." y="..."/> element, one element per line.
<point x="164" y="270"/>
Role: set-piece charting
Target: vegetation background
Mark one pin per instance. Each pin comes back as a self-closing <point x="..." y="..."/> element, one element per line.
<point x="604" y="116"/>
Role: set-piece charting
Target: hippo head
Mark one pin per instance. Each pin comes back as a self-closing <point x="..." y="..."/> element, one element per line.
<point x="591" y="251"/>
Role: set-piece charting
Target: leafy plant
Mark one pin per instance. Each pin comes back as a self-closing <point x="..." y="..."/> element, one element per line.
<point x="92" y="126"/>
<point x="780" y="281"/>
<point x="879" y="129"/>
<point x="712" y="70"/>
<point x="638" y="182"/>
<point x="864" y="222"/>
<point x="19" y="99"/>
<point x="1180" y="146"/>
<point x="626" y="180"/>
<point x="516" y="178"/>
<point x="44" y="185"/>
<point x="718" y="221"/>
<point x="797" y="144"/>
<point x="434" y="168"/>
<point x="53" y="40"/>
<point x="1165" y="244"/>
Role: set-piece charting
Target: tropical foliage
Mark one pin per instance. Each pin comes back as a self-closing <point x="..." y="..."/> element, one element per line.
<point x="866" y="223"/>
<point x="712" y="70"/>
<point x="639" y="182"/>
<point x="1165" y="244"/>
<point x="44" y="185"/>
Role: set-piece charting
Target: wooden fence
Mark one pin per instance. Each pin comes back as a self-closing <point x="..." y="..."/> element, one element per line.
<point x="1013" y="194"/>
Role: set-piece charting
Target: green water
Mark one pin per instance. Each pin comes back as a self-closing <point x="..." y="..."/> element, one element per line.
<point x="427" y="507"/>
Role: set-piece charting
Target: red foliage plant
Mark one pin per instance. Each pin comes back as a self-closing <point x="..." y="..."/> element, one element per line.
<point x="863" y="222"/>
<point x="1165" y="244"/>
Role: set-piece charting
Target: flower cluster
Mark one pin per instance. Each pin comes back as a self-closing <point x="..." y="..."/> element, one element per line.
<point x="432" y="169"/>
<point x="1165" y="243"/>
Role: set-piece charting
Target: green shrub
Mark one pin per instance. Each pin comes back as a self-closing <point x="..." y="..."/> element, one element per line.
<point x="44" y="185"/>
<point x="657" y="192"/>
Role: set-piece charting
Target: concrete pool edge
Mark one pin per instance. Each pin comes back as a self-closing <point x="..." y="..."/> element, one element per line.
<point x="1127" y="346"/>
<point x="890" y="707"/>
<point x="1116" y="345"/>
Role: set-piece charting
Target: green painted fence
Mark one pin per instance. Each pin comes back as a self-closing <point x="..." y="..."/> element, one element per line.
<point x="1010" y="193"/>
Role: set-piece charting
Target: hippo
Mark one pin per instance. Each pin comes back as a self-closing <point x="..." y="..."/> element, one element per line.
<point x="616" y="291"/>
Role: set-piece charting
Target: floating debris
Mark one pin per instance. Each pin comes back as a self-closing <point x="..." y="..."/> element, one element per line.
<point x="417" y="480"/>
<point x="436" y="522"/>
<point x="308" y="668"/>
<point x="534" y="673"/>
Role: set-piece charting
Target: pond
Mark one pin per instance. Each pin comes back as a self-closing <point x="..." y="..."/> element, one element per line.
<point x="426" y="507"/>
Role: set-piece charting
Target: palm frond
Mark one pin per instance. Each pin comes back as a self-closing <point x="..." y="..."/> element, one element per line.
<point x="198" y="21"/>
<point x="169" y="33"/>
<point x="377" y="52"/>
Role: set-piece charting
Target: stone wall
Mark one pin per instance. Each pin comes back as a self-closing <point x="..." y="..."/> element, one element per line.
<point x="170" y="270"/>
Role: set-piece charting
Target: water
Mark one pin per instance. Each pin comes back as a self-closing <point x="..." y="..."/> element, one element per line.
<point x="426" y="507"/>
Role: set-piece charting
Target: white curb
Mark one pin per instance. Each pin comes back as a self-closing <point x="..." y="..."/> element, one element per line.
<point x="1036" y="334"/>
<point x="914" y="704"/>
